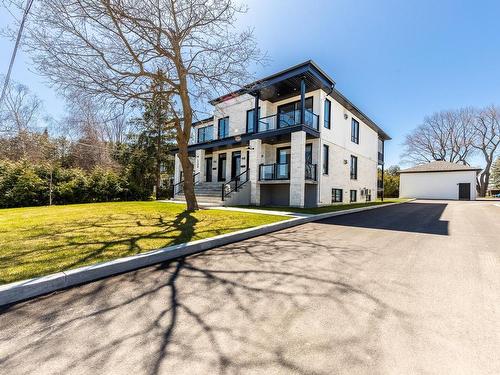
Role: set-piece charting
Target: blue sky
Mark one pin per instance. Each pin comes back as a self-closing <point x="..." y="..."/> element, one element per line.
<point x="396" y="60"/>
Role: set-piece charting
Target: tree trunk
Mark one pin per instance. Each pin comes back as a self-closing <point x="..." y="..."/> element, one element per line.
<point x="158" y="160"/>
<point x="483" y="181"/>
<point x="188" y="185"/>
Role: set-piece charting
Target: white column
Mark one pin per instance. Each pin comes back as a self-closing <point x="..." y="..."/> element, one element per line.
<point x="177" y="169"/>
<point x="253" y="163"/>
<point x="200" y="165"/>
<point x="229" y="162"/>
<point x="297" y="169"/>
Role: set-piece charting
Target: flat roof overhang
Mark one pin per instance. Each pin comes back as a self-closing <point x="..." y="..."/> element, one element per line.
<point x="270" y="137"/>
<point x="285" y="84"/>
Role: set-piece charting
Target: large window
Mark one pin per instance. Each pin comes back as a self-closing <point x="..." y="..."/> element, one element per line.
<point x="223" y="129"/>
<point x="354" y="167"/>
<point x="326" y="158"/>
<point x="337" y="195"/>
<point x="205" y="134"/>
<point x="251" y="121"/>
<point x="327" y="114"/>
<point x="353" y="195"/>
<point x="354" y="131"/>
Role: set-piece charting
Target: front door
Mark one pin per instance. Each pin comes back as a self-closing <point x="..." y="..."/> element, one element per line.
<point x="208" y="169"/>
<point x="464" y="191"/>
<point x="221" y="171"/>
<point x="235" y="163"/>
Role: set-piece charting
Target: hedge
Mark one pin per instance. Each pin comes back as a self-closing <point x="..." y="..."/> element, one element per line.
<point x="24" y="184"/>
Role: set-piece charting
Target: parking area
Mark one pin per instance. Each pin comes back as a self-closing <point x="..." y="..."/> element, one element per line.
<point x="407" y="289"/>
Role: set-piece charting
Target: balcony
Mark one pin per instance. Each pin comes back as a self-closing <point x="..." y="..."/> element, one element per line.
<point x="287" y="119"/>
<point x="281" y="171"/>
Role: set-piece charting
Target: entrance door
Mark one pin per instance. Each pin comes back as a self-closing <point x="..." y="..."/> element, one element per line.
<point x="464" y="191"/>
<point x="235" y="163"/>
<point x="221" y="172"/>
<point x="208" y="169"/>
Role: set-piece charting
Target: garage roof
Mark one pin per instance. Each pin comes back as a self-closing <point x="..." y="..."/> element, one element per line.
<point x="440" y="166"/>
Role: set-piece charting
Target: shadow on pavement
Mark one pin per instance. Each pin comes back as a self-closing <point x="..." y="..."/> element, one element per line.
<point x="407" y="217"/>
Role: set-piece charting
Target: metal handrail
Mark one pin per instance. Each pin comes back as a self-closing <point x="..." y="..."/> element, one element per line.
<point x="236" y="179"/>
<point x="181" y="182"/>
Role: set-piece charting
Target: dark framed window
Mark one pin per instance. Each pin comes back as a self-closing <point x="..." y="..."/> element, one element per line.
<point x="205" y="134"/>
<point x="337" y="195"/>
<point x="354" y="131"/>
<point x="326" y="159"/>
<point x="327" y="114"/>
<point x="223" y="128"/>
<point x="353" y="195"/>
<point x="289" y="114"/>
<point x="251" y="121"/>
<point x="354" y="167"/>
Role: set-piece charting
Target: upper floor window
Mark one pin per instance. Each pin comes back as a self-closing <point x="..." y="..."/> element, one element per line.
<point x="354" y="131"/>
<point x="205" y="134"/>
<point x="251" y="121"/>
<point x="327" y="114"/>
<point x="326" y="157"/>
<point x="223" y="129"/>
<point x="354" y="167"/>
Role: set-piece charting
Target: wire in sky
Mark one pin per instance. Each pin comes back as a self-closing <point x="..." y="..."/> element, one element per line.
<point x="14" y="52"/>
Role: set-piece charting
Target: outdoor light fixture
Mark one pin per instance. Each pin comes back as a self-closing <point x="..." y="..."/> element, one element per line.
<point x="345" y="116"/>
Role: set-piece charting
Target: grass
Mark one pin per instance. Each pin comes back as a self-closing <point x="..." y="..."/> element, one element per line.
<point x="37" y="241"/>
<point x="331" y="208"/>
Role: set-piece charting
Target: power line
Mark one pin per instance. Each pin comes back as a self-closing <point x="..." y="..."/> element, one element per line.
<point x="14" y="52"/>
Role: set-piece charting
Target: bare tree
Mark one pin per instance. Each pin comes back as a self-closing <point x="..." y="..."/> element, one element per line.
<point x="486" y="141"/>
<point x="115" y="50"/>
<point x="446" y="135"/>
<point x="19" y="117"/>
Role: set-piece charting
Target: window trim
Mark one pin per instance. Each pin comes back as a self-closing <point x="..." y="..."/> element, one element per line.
<point x="326" y="160"/>
<point x="354" y="176"/>
<point x="354" y="131"/>
<point x="203" y="129"/>
<point x="329" y="114"/>
<point x="334" y="196"/>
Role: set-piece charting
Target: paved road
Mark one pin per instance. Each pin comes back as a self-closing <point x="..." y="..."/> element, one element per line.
<point x="409" y="289"/>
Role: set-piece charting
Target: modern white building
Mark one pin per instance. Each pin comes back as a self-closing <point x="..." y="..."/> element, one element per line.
<point x="439" y="180"/>
<point x="307" y="146"/>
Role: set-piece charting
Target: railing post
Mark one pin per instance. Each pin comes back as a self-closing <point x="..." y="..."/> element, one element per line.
<point x="223" y="192"/>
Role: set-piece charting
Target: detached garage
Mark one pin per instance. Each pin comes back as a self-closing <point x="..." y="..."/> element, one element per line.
<point x="439" y="180"/>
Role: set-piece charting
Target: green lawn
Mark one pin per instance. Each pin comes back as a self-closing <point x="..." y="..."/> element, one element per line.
<point x="37" y="241"/>
<point x="332" y="208"/>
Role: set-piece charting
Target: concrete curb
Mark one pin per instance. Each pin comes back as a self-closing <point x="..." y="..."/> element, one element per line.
<point x="26" y="289"/>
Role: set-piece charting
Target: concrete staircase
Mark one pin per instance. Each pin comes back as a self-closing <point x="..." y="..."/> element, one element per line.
<point x="206" y="192"/>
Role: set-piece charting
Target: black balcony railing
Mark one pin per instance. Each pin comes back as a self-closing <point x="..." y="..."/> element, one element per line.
<point x="286" y="119"/>
<point x="277" y="171"/>
<point x="311" y="172"/>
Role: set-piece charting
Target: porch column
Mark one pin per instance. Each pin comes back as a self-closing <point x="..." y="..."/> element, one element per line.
<point x="303" y="100"/>
<point x="200" y="165"/>
<point x="298" y="169"/>
<point x="177" y="169"/>
<point x="253" y="163"/>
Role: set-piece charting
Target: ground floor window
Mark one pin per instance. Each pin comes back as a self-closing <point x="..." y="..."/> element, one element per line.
<point x="336" y="195"/>
<point x="353" y="196"/>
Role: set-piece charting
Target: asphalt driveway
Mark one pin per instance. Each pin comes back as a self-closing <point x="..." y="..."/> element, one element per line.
<point x="407" y="289"/>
